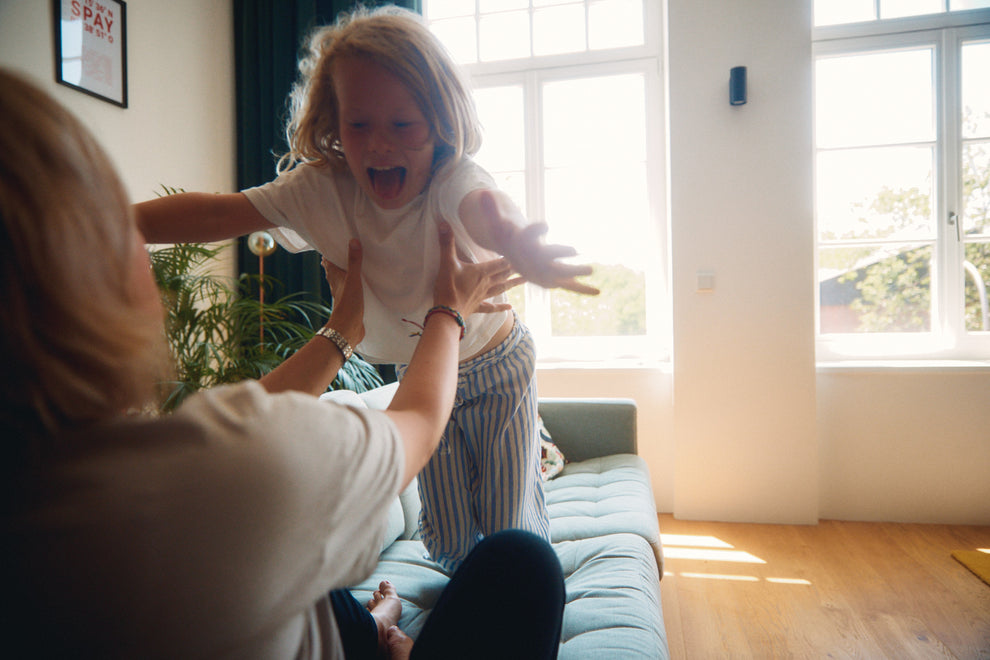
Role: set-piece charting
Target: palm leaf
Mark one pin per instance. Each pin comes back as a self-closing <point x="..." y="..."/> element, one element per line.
<point x="219" y="332"/>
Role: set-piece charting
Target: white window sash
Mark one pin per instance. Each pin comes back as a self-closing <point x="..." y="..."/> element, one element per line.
<point x="948" y="338"/>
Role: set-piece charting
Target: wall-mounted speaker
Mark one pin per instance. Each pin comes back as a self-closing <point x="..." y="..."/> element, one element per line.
<point x="737" y="85"/>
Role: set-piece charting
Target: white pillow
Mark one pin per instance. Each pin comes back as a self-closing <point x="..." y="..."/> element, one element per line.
<point x="345" y="398"/>
<point x="380" y="397"/>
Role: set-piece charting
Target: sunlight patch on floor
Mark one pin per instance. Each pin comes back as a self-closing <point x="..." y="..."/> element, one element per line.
<point x="693" y="541"/>
<point x="788" y="581"/>
<point x="711" y="548"/>
<point x="717" y="576"/>
<point x="708" y="554"/>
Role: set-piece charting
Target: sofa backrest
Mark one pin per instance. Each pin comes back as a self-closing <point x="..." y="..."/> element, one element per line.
<point x="590" y="427"/>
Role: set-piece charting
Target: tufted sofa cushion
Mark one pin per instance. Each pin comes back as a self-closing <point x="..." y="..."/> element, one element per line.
<point x="611" y="609"/>
<point x="603" y="525"/>
<point x="604" y="529"/>
<point x="613" y="596"/>
<point x="601" y="496"/>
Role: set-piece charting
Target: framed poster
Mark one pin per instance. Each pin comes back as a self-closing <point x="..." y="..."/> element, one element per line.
<point x="91" y="47"/>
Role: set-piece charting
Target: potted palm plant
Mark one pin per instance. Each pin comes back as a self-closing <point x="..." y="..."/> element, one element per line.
<point x="220" y="332"/>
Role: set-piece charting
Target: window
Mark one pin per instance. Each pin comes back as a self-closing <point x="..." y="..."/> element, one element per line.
<point x="902" y="179"/>
<point x="836" y="12"/>
<point x="569" y="96"/>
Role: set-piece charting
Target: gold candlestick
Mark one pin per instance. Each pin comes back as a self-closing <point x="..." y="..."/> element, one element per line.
<point x="262" y="244"/>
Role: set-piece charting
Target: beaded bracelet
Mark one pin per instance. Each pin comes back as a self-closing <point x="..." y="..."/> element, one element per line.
<point x="449" y="311"/>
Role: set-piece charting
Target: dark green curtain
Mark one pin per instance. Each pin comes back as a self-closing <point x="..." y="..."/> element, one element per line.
<point x="267" y="39"/>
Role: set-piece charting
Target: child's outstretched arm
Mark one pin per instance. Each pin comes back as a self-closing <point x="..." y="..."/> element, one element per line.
<point x="495" y="223"/>
<point x="197" y="218"/>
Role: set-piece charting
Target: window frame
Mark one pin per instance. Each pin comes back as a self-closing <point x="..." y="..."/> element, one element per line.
<point x="531" y="73"/>
<point x="945" y="34"/>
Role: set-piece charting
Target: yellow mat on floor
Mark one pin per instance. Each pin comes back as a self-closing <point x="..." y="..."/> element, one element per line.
<point x="976" y="561"/>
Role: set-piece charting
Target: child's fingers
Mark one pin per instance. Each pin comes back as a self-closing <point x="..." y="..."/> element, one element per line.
<point x="558" y="251"/>
<point x="491" y="308"/>
<point x="578" y="287"/>
<point x="572" y="270"/>
<point x="535" y="230"/>
<point x="503" y="286"/>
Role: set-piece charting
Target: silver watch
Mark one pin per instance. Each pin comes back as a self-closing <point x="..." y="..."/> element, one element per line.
<point x="338" y="340"/>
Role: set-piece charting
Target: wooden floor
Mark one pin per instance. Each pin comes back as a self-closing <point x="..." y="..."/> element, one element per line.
<point x="832" y="590"/>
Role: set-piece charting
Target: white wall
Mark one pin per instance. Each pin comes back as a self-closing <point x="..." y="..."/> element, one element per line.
<point x="179" y="127"/>
<point x="907" y="445"/>
<point x="740" y="197"/>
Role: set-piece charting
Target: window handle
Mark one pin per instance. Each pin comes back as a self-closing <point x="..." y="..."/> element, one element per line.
<point x="954" y="220"/>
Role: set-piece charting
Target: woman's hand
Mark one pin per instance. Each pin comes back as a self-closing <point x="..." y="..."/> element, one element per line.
<point x="466" y="286"/>
<point x="347" y="316"/>
<point x="314" y="366"/>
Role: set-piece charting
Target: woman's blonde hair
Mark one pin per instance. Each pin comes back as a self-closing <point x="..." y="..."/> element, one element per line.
<point x="77" y="346"/>
<point x="397" y="40"/>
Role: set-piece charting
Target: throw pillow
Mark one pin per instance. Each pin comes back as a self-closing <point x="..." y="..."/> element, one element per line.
<point x="551" y="459"/>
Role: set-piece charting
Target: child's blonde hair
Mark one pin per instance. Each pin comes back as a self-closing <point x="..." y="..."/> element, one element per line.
<point x="399" y="41"/>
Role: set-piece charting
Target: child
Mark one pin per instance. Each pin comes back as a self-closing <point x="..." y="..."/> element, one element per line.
<point x="380" y="135"/>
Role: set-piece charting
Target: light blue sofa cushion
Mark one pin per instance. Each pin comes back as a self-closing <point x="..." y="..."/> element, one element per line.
<point x="613" y="595"/>
<point x="605" y="532"/>
<point x="601" y="496"/>
<point x="613" y="599"/>
<point x="396" y="524"/>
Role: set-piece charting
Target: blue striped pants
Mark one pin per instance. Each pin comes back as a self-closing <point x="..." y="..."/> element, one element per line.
<point x="485" y="474"/>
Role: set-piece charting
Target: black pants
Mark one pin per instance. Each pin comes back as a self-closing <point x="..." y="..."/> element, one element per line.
<point x="505" y="601"/>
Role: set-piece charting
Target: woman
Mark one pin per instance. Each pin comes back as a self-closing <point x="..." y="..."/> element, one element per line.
<point x="221" y="529"/>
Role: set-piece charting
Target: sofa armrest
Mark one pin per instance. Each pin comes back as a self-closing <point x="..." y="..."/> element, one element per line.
<point x="590" y="428"/>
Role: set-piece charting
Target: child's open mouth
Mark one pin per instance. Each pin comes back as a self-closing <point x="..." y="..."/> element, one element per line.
<point x="387" y="181"/>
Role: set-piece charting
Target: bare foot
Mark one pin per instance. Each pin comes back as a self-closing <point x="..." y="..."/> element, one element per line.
<point x="399" y="644"/>
<point x="385" y="608"/>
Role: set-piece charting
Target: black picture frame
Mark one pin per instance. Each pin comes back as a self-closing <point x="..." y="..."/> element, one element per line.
<point x="91" y="47"/>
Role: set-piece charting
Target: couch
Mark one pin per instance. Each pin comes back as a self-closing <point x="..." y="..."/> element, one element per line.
<point x="603" y="527"/>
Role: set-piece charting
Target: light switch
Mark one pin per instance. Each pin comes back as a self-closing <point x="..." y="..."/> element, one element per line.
<point x="706" y="281"/>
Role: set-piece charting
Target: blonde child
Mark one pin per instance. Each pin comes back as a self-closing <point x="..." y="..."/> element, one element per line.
<point x="381" y="133"/>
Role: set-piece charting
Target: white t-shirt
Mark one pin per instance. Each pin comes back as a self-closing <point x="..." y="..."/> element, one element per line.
<point x="214" y="532"/>
<point x="321" y="208"/>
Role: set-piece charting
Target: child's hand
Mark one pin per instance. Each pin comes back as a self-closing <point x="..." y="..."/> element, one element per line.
<point x="466" y="286"/>
<point x="347" y="316"/>
<point x="535" y="261"/>
<point x="538" y="263"/>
